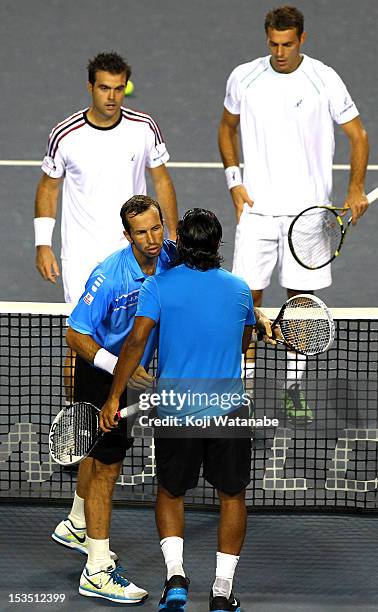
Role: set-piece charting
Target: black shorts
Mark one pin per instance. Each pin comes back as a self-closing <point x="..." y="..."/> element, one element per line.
<point x="226" y="463"/>
<point x="93" y="385"/>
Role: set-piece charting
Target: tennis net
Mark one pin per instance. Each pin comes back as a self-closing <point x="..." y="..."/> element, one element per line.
<point x="328" y="463"/>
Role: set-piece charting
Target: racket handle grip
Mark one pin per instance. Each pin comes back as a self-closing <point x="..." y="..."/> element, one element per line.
<point x="128" y="411"/>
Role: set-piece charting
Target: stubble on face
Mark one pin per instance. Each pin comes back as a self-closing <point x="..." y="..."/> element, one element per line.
<point x="285" y="47"/>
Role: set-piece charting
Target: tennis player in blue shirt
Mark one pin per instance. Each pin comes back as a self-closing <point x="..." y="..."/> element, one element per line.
<point x="205" y="317"/>
<point x="98" y="325"/>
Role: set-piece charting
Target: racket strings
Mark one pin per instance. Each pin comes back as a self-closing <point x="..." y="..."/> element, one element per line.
<point x="310" y="336"/>
<point x="306" y="326"/>
<point x="316" y="237"/>
<point x="74" y="433"/>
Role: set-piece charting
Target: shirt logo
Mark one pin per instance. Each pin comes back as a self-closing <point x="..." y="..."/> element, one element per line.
<point x="88" y="299"/>
<point x="297" y="104"/>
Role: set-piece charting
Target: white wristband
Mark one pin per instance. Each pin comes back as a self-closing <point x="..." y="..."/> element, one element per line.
<point x="233" y="176"/>
<point x="105" y="360"/>
<point x="43" y="230"/>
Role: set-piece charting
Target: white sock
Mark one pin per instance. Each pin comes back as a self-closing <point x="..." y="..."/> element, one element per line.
<point x="172" y="549"/>
<point x="295" y="368"/>
<point x="98" y="555"/>
<point x="226" y="566"/>
<point x="77" y="516"/>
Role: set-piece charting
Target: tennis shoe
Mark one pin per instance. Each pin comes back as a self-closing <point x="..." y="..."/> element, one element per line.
<point x="295" y="406"/>
<point x="74" y="537"/>
<point x="219" y="604"/>
<point x="175" y="594"/>
<point x="109" y="584"/>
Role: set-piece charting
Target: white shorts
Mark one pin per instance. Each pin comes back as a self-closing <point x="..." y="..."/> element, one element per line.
<point x="260" y="243"/>
<point x="74" y="275"/>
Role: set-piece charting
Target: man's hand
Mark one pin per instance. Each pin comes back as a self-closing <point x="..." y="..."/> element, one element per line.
<point x="107" y="415"/>
<point x="357" y="202"/>
<point x="264" y="326"/>
<point x="140" y="379"/>
<point x="240" y="197"/>
<point x="46" y="263"/>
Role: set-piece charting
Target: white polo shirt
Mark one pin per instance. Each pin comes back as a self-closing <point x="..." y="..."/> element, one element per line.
<point x="102" y="168"/>
<point x="286" y="123"/>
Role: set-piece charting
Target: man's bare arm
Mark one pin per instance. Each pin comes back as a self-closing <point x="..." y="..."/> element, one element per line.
<point x="46" y="204"/>
<point x="228" y="140"/>
<point x="129" y="357"/>
<point x="359" y="155"/>
<point x="166" y="196"/>
<point x="247" y="336"/>
<point x="85" y="346"/>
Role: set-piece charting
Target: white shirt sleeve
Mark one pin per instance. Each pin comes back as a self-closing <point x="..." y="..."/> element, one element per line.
<point x="54" y="166"/>
<point x="232" y="98"/>
<point x="341" y="105"/>
<point x="158" y="154"/>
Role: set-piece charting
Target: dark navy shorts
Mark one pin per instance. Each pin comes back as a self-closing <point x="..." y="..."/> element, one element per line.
<point x="93" y="385"/>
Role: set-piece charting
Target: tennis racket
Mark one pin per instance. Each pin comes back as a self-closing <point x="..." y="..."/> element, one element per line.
<point x="305" y="325"/>
<point x="75" y="431"/>
<point x="317" y="234"/>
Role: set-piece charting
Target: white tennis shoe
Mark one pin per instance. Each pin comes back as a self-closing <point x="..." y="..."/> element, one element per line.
<point x="76" y="538"/>
<point x="109" y="584"/>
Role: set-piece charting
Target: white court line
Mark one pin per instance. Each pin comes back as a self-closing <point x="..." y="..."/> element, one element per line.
<point x="187" y="165"/>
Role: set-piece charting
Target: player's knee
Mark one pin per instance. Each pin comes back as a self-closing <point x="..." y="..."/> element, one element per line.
<point x="225" y="498"/>
<point x="293" y="292"/>
<point x="163" y="493"/>
<point x="106" y="472"/>
<point x="257" y="295"/>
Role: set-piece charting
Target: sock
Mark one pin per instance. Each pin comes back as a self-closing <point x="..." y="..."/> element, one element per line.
<point x="224" y="575"/>
<point x="98" y="555"/>
<point x="295" y="368"/>
<point x="172" y="549"/>
<point x="77" y="516"/>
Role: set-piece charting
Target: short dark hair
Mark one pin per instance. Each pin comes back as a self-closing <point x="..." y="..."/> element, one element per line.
<point x="285" y="18"/>
<point x="136" y="205"/>
<point x="108" y="62"/>
<point x="199" y="234"/>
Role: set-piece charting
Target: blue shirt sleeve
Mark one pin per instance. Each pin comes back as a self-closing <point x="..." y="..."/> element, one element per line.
<point x="149" y="300"/>
<point x="93" y="306"/>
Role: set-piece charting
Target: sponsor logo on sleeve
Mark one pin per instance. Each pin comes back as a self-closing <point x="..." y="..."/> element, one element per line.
<point x="88" y="298"/>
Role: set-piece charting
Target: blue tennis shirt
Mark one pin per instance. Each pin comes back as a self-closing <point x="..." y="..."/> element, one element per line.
<point x="201" y="318"/>
<point x="107" y="307"/>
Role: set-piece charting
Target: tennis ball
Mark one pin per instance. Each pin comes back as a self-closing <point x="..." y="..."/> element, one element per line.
<point x="129" y="89"/>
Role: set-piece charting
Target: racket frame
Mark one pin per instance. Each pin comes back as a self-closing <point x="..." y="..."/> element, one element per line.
<point x="371" y="197"/>
<point x="343" y="231"/>
<point x="321" y="305"/>
<point x="121" y="414"/>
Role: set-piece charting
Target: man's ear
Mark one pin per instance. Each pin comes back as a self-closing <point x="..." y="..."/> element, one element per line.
<point x="303" y="38"/>
<point x="127" y="236"/>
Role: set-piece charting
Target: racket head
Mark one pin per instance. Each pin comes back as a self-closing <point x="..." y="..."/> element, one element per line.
<point x="306" y="324"/>
<point x="74" y="432"/>
<point x="315" y="236"/>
